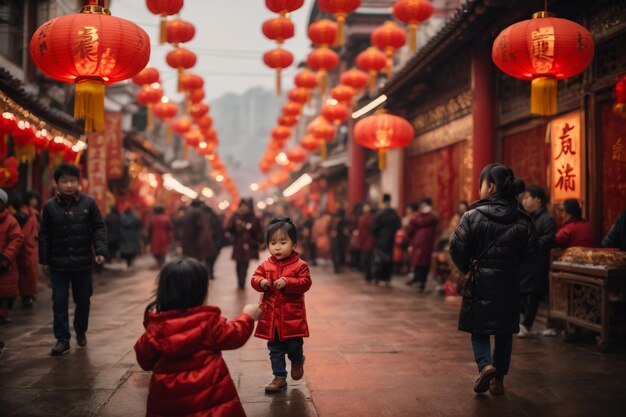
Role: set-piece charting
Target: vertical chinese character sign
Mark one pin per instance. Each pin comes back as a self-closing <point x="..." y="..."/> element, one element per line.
<point x="97" y="162"/>
<point x="113" y="135"/>
<point x="565" y="134"/>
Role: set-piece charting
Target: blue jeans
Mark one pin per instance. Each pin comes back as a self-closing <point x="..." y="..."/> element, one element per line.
<point x="278" y="349"/>
<point x="501" y="352"/>
<point x="82" y="288"/>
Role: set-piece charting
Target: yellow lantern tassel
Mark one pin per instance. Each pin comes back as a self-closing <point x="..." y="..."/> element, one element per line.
<point x="372" y="82"/>
<point x="323" y="74"/>
<point x="168" y="135"/>
<point x="389" y="64"/>
<point x="543" y="96"/>
<point x="150" y="121"/>
<point x="382" y="158"/>
<point x="185" y="150"/>
<point x="323" y="149"/>
<point x="179" y="86"/>
<point x="413" y="37"/>
<point x="278" y="83"/>
<point x="89" y="104"/>
<point x="77" y="159"/>
<point x="188" y="102"/>
<point x="341" y="23"/>
<point x="163" y="30"/>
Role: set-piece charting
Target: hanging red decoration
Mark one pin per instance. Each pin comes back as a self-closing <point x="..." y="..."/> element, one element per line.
<point x="323" y="60"/>
<point x="148" y="75"/>
<point x="306" y="79"/>
<point x="9" y="174"/>
<point x="190" y="82"/>
<point x="7" y="124"/>
<point x="193" y="138"/>
<point x="299" y="95"/>
<point x="342" y="93"/>
<point x="181" y="59"/>
<point x="90" y="49"/>
<point x="296" y="155"/>
<point x="149" y="96"/>
<point x="282" y="7"/>
<point x="180" y="31"/>
<point x="323" y="131"/>
<point x="199" y="110"/>
<point x="278" y="29"/>
<point x="383" y="131"/>
<point x="41" y="141"/>
<point x="56" y="150"/>
<point x="291" y="109"/>
<point x="71" y="155"/>
<point x="389" y="38"/>
<point x="310" y="143"/>
<point x="354" y="78"/>
<point x="323" y="32"/>
<point x="196" y="96"/>
<point x="164" y="8"/>
<point x="24" y="142"/>
<point x="278" y="59"/>
<point x="166" y="110"/>
<point x="340" y="9"/>
<point x="181" y="125"/>
<point x="287" y="121"/>
<point x="620" y="96"/>
<point x="281" y="133"/>
<point x="371" y="61"/>
<point x="543" y="49"/>
<point x="205" y="122"/>
<point x="335" y="113"/>
<point x="412" y="12"/>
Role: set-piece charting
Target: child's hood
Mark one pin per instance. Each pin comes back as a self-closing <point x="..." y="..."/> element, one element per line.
<point x="181" y="333"/>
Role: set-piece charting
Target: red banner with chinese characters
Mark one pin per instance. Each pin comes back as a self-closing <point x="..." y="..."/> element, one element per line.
<point x="565" y="139"/>
<point x="613" y="167"/>
<point x="113" y="137"/>
<point x="97" y="166"/>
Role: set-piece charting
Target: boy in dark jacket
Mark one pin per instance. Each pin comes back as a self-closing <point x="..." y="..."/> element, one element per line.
<point x="71" y="238"/>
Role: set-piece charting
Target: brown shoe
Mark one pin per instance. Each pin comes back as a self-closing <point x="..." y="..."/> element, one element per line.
<point x="277" y="385"/>
<point x="486" y="375"/>
<point x="496" y="386"/>
<point x="297" y="370"/>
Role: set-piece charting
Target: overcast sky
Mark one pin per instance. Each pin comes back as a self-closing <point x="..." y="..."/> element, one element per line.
<point x="228" y="42"/>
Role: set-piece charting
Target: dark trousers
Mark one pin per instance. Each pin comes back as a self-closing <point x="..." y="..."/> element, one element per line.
<point x="501" y="353"/>
<point x="367" y="260"/>
<point x="384" y="271"/>
<point x="210" y="265"/>
<point x="278" y="349"/>
<point x="530" y="305"/>
<point x="82" y="288"/>
<point x="420" y="274"/>
<point x="242" y="273"/>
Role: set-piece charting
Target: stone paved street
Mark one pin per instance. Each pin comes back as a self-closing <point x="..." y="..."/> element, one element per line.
<point x="372" y="352"/>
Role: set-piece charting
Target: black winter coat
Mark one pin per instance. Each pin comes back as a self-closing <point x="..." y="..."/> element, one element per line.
<point x="616" y="238"/>
<point x="71" y="233"/>
<point x="534" y="275"/>
<point x="495" y="307"/>
<point x="384" y="227"/>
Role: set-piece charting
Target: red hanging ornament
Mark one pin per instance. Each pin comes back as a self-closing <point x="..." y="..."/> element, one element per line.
<point x="342" y="93"/>
<point x="383" y="131"/>
<point x="323" y="131"/>
<point x="306" y="79"/>
<point x="323" y="32"/>
<point x="278" y="59"/>
<point x="287" y="121"/>
<point x="371" y="61"/>
<point x="389" y="38"/>
<point x="354" y="78"/>
<point x="278" y="29"/>
<point x="299" y="95"/>
<point x="180" y="31"/>
<point x="412" y="12"/>
<point x="340" y="9"/>
<point x="199" y="110"/>
<point x="164" y="8"/>
<point x="291" y="109"/>
<point x="296" y="155"/>
<point x="335" y="113"/>
<point x="323" y="60"/>
<point x="146" y="76"/>
<point x="620" y="96"/>
<point x="282" y="7"/>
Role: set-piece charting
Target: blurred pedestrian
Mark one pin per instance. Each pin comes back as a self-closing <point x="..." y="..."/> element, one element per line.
<point x="245" y="229"/>
<point x="321" y="235"/>
<point x="308" y="244"/>
<point x="616" y="237"/>
<point x="183" y="344"/>
<point x="384" y="227"/>
<point x="366" y="241"/>
<point x="161" y="234"/>
<point x="28" y="260"/>
<point x="283" y="278"/>
<point x="339" y="236"/>
<point x="114" y="231"/>
<point x="192" y="231"/>
<point x="420" y="235"/>
<point x="575" y="231"/>
<point x="213" y="248"/>
<point x="71" y="238"/>
<point x="11" y="240"/>
<point x="130" y="236"/>
<point x="497" y="237"/>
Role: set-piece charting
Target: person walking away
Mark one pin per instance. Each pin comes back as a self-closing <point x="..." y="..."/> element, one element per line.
<point x="245" y="229"/>
<point x="28" y="260"/>
<point x="321" y="235"/>
<point x="366" y="241"/>
<point x="71" y="238"/>
<point x="114" y="231"/>
<point x="339" y="239"/>
<point x="384" y="227"/>
<point x="499" y="237"/>
<point x="616" y="237"/>
<point x="130" y="236"/>
<point x="217" y="239"/>
<point x="11" y="241"/>
<point x="191" y="230"/>
<point x="534" y="275"/>
<point x="183" y="342"/>
<point x="161" y="234"/>
<point x="420" y="235"/>
<point x="207" y="239"/>
<point x="575" y="231"/>
<point x="283" y="279"/>
<point x="309" y="252"/>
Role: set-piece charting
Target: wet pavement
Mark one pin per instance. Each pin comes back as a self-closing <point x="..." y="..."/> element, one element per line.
<point x="373" y="351"/>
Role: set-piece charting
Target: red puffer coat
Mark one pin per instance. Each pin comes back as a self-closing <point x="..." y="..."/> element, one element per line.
<point x="28" y="261"/>
<point x="183" y="351"/>
<point x="420" y="235"/>
<point x="283" y="310"/>
<point x="11" y="239"/>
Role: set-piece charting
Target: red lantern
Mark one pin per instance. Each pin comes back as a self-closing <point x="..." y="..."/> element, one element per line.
<point x="323" y="60"/>
<point x="543" y="49"/>
<point x="148" y="96"/>
<point x="323" y="131"/>
<point x="281" y="133"/>
<point x="181" y="58"/>
<point x="146" y="76"/>
<point x="340" y="9"/>
<point x="372" y="61"/>
<point x="24" y="141"/>
<point x="205" y="122"/>
<point x="9" y="174"/>
<point x="180" y="31"/>
<point x="91" y="49"/>
<point x="266" y="165"/>
<point x="342" y="93"/>
<point x="620" y="96"/>
<point x="323" y="32"/>
<point x="287" y="121"/>
<point x="282" y="7"/>
<point x="310" y="143"/>
<point x="306" y="79"/>
<point x="199" y="110"/>
<point x="193" y="138"/>
<point x="56" y="149"/>
<point x="196" y="96"/>
<point x="278" y="59"/>
<point x="190" y="82"/>
<point x="296" y="155"/>
<point x="354" y="78"/>
<point x="278" y="29"/>
<point x="164" y="8"/>
<point x="381" y="132"/>
<point x="299" y="95"/>
<point x="182" y="125"/>
<point x="291" y="109"/>
<point x="165" y="111"/>
<point x="335" y="113"/>
<point x="412" y="12"/>
<point x="389" y="38"/>
<point x="278" y="178"/>
<point x="41" y="141"/>
<point x="7" y="125"/>
<point x="70" y="155"/>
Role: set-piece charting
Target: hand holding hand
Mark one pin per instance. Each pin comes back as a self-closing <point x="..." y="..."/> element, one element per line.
<point x="253" y="311"/>
<point x="265" y="284"/>
<point x="99" y="259"/>
<point x="280" y="283"/>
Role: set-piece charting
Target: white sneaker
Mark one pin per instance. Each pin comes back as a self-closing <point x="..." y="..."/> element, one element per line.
<point x="549" y="333"/>
<point x="523" y="332"/>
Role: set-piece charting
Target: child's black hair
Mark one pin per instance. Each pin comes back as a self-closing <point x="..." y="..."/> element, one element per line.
<point x="284" y="224"/>
<point x="67" y="170"/>
<point x="182" y="284"/>
<point x="508" y="186"/>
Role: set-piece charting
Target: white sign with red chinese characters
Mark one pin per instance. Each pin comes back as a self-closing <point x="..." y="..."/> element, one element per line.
<point x="565" y="136"/>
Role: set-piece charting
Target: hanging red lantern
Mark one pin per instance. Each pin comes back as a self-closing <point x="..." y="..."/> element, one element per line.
<point x="7" y="125"/>
<point x="323" y="131"/>
<point x="323" y="60"/>
<point x="389" y="38"/>
<point x="278" y="29"/>
<point x="282" y="7"/>
<point x="323" y="32"/>
<point x="41" y="141"/>
<point x="371" y="61"/>
<point x="56" y="149"/>
<point x="164" y="8"/>
<point x="543" y="49"/>
<point x="165" y="110"/>
<point x="196" y="96"/>
<point x="291" y="109"/>
<point x="278" y="59"/>
<point x="281" y="133"/>
<point x="205" y="122"/>
<point x="620" y="96"/>
<point x="412" y="12"/>
<point x="354" y="78"/>
<point x="190" y="82"/>
<point x="299" y="95"/>
<point x="199" y="110"/>
<point x="149" y="96"/>
<point x="24" y="142"/>
<point x="146" y="76"/>
<point x="181" y="59"/>
<point x="278" y="178"/>
<point x="71" y="155"/>
<point x="9" y="174"/>
<point x="306" y="79"/>
<point x="193" y="138"/>
<point x="383" y="131"/>
<point x="266" y="165"/>
<point x="342" y="93"/>
<point x="335" y="113"/>
<point x="210" y="136"/>
<point x="181" y="125"/>
<point x="310" y="143"/>
<point x="90" y="49"/>
<point x="287" y="121"/>
<point x="340" y="9"/>
<point x="296" y="155"/>
<point x="180" y="31"/>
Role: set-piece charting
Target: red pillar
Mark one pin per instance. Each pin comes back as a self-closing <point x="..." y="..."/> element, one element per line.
<point x="356" y="169"/>
<point x="483" y="145"/>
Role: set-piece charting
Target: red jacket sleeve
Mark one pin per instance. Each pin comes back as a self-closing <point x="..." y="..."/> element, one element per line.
<point x="300" y="283"/>
<point x="15" y="239"/>
<point x="147" y="355"/>
<point x="228" y="335"/>
<point x="563" y="236"/>
<point x="258" y="276"/>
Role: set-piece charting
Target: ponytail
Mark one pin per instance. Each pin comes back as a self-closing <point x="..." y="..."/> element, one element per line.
<point x="508" y="186"/>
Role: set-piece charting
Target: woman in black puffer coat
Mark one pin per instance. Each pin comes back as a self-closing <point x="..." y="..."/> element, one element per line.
<point x="494" y="308"/>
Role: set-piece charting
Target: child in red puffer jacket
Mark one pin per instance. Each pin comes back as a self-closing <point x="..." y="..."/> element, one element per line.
<point x="284" y="278"/>
<point x="182" y="346"/>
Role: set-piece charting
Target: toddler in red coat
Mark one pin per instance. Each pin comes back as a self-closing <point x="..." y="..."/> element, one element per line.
<point x="283" y="278"/>
<point x="182" y="346"/>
